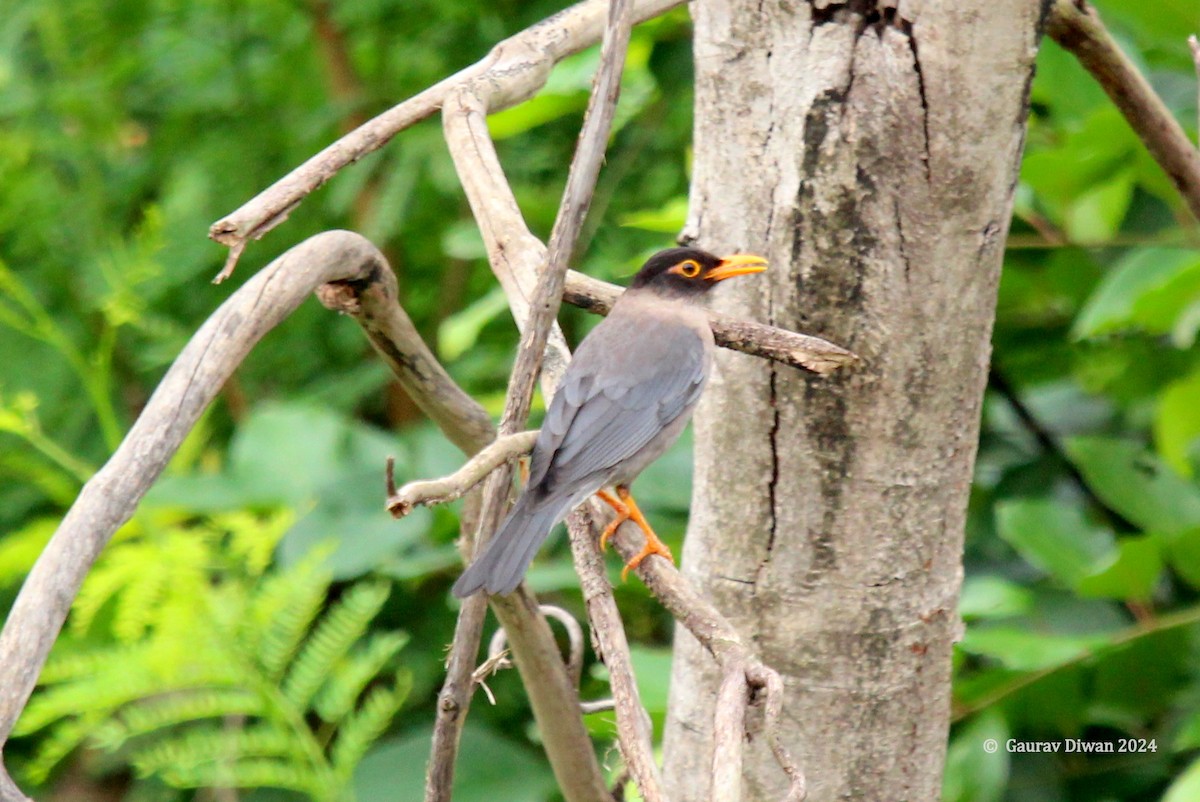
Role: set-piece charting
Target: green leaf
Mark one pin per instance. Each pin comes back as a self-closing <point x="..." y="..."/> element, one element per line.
<point x="975" y="773"/>
<point x="988" y="597"/>
<point x="1135" y="484"/>
<point x="459" y="332"/>
<point x="1183" y="554"/>
<point x="539" y="110"/>
<point x="1054" y="536"/>
<point x="1025" y="650"/>
<point x="490" y="768"/>
<point x="287" y="452"/>
<point x="1186" y="787"/>
<point x="667" y="219"/>
<point x="1177" y="423"/>
<point x="1147" y="290"/>
<point x="1131" y="573"/>
<point x="1188" y="736"/>
<point x="1096" y="215"/>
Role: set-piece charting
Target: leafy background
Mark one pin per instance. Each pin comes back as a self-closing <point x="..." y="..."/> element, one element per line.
<point x="261" y="624"/>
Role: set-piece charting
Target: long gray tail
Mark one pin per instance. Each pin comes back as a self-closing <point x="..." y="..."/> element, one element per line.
<point x="506" y="557"/>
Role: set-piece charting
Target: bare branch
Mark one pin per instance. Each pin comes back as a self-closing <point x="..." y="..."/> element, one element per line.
<point x="556" y="706"/>
<point x="716" y="634"/>
<point x="111" y="496"/>
<point x="456" y="485"/>
<point x="513" y="71"/>
<point x="577" y="196"/>
<point x="468" y="107"/>
<point x="454" y="699"/>
<point x="373" y="303"/>
<point x="1077" y="27"/>
<point x="633" y="722"/>
<point x="757" y="339"/>
<point x="771" y="686"/>
<point x="515" y="256"/>
<point x="729" y="733"/>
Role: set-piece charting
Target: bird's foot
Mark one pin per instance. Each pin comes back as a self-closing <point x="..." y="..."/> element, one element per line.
<point x="620" y="509"/>
<point x="627" y="510"/>
<point x="653" y="546"/>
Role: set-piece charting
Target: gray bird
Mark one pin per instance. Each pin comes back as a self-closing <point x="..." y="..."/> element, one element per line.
<point x="625" y="398"/>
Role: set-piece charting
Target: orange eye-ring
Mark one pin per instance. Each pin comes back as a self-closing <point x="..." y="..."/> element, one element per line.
<point x="689" y="268"/>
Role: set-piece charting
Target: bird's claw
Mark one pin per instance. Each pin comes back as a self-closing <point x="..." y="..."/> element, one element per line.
<point x="653" y="546"/>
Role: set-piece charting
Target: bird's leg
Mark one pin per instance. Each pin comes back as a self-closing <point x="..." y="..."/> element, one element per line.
<point x="622" y="516"/>
<point x="653" y="545"/>
<point x="627" y="510"/>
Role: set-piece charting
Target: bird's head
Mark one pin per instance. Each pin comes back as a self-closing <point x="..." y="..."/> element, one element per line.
<point x="691" y="272"/>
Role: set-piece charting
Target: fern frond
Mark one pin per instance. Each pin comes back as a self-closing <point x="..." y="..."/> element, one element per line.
<point x="115" y="686"/>
<point x="64" y="666"/>
<point x="149" y="716"/>
<point x="137" y="602"/>
<point x="282" y="611"/>
<point x="365" y="726"/>
<point x="339" y="694"/>
<point x="250" y="773"/>
<point x="332" y="638"/>
<point x="104" y="582"/>
<point x="61" y="742"/>
<point x="215" y="743"/>
<point x="253" y="538"/>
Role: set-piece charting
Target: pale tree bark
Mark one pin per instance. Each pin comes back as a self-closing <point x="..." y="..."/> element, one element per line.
<point x="871" y="152"/>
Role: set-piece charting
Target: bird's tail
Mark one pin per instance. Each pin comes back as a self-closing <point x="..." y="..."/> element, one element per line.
<point x="506" y="557"/>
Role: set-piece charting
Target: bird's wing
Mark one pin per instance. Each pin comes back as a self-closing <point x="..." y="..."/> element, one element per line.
<point x="615" y="397"/>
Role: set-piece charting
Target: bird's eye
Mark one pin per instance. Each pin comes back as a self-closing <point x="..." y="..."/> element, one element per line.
<point x="689" y="268"/>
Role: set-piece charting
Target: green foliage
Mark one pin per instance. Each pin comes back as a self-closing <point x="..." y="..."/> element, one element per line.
<point x="192" y="660"/>
<point x="210" y="647"/>
<point x="1081" y="590"/>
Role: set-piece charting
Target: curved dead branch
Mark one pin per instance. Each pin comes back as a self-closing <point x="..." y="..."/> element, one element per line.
<point x="110" y="497"/>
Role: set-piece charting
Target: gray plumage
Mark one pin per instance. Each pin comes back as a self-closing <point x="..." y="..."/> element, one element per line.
<point x="624" y="399"/>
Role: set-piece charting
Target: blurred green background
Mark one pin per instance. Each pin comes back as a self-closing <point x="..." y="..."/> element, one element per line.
<point x="262" y="624"/>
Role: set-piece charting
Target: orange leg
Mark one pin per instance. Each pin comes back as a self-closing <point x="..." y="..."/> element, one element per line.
<point x="627" y="509"/>
<point x="622" y="516"/>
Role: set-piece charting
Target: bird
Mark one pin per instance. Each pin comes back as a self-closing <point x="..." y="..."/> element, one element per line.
<point x="624" y="398"/>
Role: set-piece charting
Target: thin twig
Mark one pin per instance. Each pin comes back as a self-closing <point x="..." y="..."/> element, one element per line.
<point x="497" y="646"/>
<point x="770" y="686"/>
<point x="715" y="633"/>
<point x="1077" y="27"/>
<point x="634" y="728"/>
<point x="456" y="485"/>
<point x="513" y="70"/>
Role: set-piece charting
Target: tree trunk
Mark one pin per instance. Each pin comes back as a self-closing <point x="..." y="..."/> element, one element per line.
<point x="872" y="153"/>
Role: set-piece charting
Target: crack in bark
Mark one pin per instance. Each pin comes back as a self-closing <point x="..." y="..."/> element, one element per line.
<point x="905" y="27"/>
<point x="773" y="441"/>
<point x="900" y="234"/>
